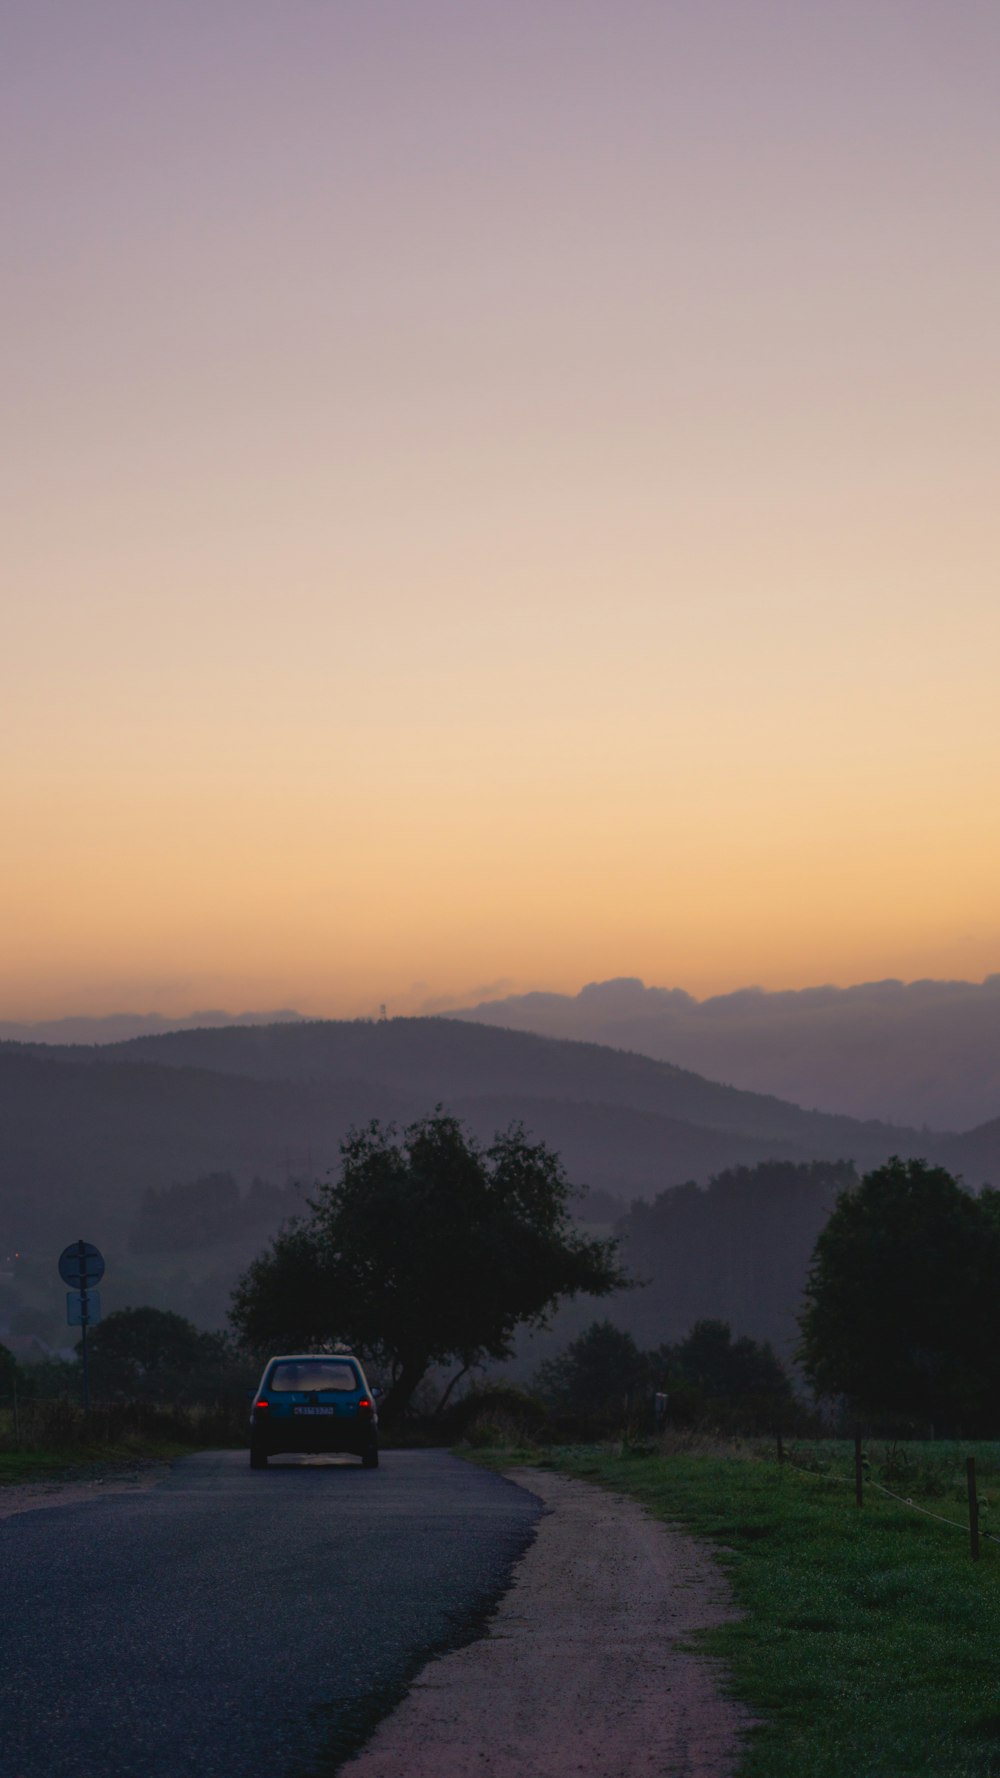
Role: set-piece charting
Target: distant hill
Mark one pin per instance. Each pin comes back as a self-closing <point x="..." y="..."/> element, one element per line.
<point x="85" y="1131"/>
<point x="439" y="1058"/>
<point x="916" y="1053"/>
<point x="93" y="1126"/>
<point x="84" y="1140"/>
<point x="975" y="1155"/>
<point x="116" y="1026"/>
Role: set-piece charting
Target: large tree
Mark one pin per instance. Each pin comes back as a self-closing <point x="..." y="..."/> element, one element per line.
<point x="902" y="1307"/>
<point x="154" y="1354"/>
<point x="743" y="1375"/>
<point x="8" y="1371"/>
<point x="596" y="1374"/>
<point x="425" y="1250"/>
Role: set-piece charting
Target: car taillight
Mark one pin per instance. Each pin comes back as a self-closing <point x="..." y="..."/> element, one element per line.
<point x="261" y="1404"/>
<point x="364" y="1407"/>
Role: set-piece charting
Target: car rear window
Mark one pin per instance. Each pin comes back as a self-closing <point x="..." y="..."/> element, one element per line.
<point x="313" y="1373"/>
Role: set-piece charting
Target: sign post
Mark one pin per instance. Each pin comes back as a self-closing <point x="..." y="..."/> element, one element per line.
<point x="81" y="1265"/>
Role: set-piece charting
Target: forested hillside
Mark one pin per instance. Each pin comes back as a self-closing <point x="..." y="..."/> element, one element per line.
<point x="738" y="1251"/>
<point x="447" y="1057"/>
<point x="87" y="1134"/>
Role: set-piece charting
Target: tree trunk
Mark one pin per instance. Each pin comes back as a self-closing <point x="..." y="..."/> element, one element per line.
<point x="457" y="1378"/>
<point x="397" y="1397"/>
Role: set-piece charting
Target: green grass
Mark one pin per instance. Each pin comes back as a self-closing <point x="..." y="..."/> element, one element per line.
<point x="79" y="1460"/>
<point x="52" y="1436"/>
<point x="932" y="1473"/>
<point x="869" y="1645"/>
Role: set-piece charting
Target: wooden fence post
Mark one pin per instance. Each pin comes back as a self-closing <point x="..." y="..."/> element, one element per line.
<point x="970" y="1479"/>
<point x="858" y="1472"/>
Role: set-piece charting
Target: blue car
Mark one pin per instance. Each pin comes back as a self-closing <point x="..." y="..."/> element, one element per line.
<point x="309" y="1401"/>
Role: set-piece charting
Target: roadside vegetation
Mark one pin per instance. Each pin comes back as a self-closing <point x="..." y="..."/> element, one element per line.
<point x="869" y="1638"/>
<point x="869" y="1642"/>
<point x="44" y="1436"/>
<point x="159" y="1387"/>
<point x="52" y="1439"/>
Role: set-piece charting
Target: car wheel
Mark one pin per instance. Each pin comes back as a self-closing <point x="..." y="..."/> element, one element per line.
<point x="258" y="1457"/>
<point x="369" y="1458"/>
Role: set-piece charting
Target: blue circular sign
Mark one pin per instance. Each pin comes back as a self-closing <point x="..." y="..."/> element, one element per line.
<point x="81" y="1265"/>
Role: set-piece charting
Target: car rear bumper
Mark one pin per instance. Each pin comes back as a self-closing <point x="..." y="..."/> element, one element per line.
<point x="350" y="1436"/>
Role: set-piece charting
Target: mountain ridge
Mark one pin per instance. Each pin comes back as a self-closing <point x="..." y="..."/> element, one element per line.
<point x="87" y="1130"/>
<point x="914" y="1053"/>
<point x="310" y="1049"/>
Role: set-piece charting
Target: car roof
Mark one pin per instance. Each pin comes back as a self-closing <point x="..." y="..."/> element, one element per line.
<point x="310" y="1357"/>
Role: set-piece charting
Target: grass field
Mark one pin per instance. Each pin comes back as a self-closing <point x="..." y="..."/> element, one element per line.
<point x="70" y="1462"/>
<point x="52" y="1439"/>
<point x="931" y="1474"/>
<point x="869" y="1645"/>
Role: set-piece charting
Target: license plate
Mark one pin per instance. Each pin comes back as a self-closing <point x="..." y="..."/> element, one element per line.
<point x="314" y="1410"/>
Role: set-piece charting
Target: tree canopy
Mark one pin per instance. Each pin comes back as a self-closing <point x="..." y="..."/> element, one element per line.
<point x="426" y="1249"/>
<point x="708" y="1376"/>
<point x="595" y="1374"/>
<point x="902" y="1310"/>
<point x="152" y="1353"/>
<point x="741" y="1374"/>
<point x="8" y="1370"/>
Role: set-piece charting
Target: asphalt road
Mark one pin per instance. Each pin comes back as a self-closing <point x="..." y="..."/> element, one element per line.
<point x="231" y="1622"/>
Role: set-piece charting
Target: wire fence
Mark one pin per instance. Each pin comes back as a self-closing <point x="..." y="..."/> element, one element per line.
<point x="970" y="1527"/>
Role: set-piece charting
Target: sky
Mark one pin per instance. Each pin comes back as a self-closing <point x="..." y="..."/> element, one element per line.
<point x="497" y="495"/>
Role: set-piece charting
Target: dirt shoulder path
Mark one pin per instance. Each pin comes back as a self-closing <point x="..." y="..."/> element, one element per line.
<point x="26" y="1497"/>
<point x="582" y="1673"/>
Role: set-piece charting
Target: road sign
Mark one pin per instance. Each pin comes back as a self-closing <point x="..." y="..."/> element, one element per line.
<point x="83" y="1307"/>
<point x="81" y="1265"/>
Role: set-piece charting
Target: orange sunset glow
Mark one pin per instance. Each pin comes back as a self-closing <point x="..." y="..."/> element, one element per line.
<point x="497" y="495"/>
